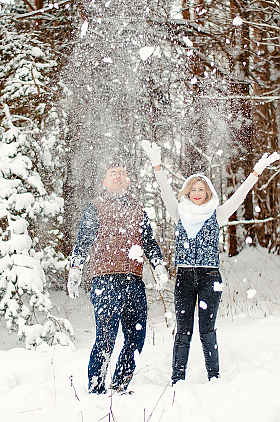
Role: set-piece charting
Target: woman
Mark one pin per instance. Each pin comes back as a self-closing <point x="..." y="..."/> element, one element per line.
<point x="198" y="218"/>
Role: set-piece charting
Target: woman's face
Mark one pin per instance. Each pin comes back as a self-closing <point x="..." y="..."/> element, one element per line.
<point x="198" y="193"/>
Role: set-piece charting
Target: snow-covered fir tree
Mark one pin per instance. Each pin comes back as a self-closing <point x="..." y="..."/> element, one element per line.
<point x="24" y="301"/>
<point x="31" y="55"/>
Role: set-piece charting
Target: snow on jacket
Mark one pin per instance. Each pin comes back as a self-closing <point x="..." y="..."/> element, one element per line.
<point x="114" y="231"/>
<point x="199" y="247"/>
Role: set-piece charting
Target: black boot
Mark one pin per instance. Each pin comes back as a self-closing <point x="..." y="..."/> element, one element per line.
<point x="180" y="356"/>
<point x="211" y="355"/>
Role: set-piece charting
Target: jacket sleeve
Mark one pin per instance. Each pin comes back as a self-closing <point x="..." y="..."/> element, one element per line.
<point x="150" y="246"/>
<point x="230" y="206"/>
<point x="86" y="235"/>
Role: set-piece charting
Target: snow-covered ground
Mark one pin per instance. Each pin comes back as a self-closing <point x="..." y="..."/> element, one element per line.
<point x="41" y="385"/>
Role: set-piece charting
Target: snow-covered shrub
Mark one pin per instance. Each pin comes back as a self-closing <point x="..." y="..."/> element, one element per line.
<point x="51" y="332"/>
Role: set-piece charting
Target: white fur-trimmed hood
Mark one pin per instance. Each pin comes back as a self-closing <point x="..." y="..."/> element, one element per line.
<point x="194" y="216"/>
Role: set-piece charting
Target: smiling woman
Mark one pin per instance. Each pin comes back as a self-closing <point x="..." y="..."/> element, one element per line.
<point x="198" y="219"/>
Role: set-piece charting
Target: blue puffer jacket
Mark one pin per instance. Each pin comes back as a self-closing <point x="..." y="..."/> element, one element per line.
<point x="201" y="251"/>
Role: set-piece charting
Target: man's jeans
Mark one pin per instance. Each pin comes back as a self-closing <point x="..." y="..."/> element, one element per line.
<point x="116" y="298"/>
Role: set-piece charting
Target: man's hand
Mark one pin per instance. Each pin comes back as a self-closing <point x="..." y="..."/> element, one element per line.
<point x="74" y="280"/>
<point x="265" y="161"/>
<point x="153" y="152"/>
<point x="161" y="277"/>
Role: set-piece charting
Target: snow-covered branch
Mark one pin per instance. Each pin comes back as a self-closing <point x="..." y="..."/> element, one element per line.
<point x="181" y="178"/>
<point x="263" y="187"/>
<point x="7" y="114"/>
<point x="29" y="4"/>
<point x="254" y="221"/>
<point x="36" y="83"/>
<point x="261" y="25"/>
<point x="264" y="98"/>
<point x="48" y="9"/>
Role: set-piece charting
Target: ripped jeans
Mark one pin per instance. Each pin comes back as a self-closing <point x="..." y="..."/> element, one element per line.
<point x="204" y="286"/>
<point x="116" y="298"/>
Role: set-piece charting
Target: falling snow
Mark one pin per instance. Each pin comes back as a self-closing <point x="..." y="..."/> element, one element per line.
<point x="251" y="293"/>
<point x="136" y="253"/>
<point x="99" y="292"/>
<point x="237" y="21"/>
<point x="217" y="286"/>
<point x="36" y="385"/>
<point x="84" y="28"/>
<point x="203" y="305"/>
<point x="146" y="52"/>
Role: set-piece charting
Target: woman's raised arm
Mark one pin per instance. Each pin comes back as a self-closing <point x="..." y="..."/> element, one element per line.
<point x="231" y="205"/>
<point x="167" y="194"/>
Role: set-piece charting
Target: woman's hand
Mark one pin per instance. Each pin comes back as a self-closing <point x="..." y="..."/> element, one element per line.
<point x="153" y="152"/>
<point x="265" y="161"/>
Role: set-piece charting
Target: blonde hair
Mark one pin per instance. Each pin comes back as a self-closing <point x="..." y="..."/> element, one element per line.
<point x="186" y="190"/>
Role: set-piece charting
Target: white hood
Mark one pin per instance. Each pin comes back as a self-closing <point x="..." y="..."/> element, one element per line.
<point x="193" y="216"/>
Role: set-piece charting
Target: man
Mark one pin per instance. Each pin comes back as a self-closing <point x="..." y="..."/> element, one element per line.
<point x="114" y="231"/>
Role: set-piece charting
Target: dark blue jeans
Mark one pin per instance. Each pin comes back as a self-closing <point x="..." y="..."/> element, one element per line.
<point x="116" y="298"/>
<point x="202" y="285"/>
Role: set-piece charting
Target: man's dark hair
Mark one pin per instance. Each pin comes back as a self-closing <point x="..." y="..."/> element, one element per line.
<point x="116" y="162"/>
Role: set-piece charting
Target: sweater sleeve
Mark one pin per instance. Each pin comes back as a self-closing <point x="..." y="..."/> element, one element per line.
<point x="150" y="246"/>
<point x="230" y="206"/>
<point x="167" y="195"/>
<point x="86" y="235"/>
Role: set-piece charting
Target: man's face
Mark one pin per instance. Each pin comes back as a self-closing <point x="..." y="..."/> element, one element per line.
<point x="116" y="180"/>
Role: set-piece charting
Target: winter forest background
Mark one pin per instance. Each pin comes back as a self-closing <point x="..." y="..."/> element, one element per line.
<point x="84" y="81"/>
